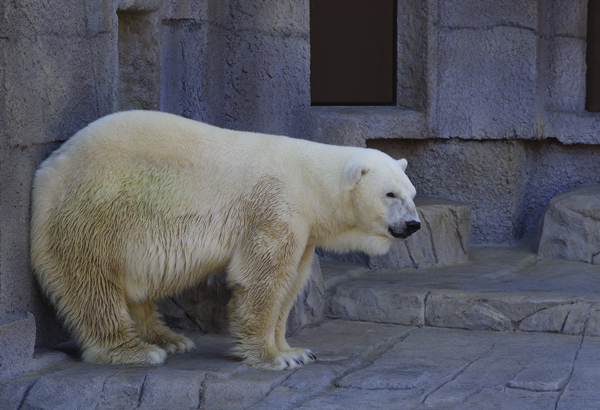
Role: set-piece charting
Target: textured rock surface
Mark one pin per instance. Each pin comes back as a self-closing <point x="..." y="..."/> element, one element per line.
<point x="204" y="308"/>
<point x="570" y="226"/>
<point x="443" y="239"/>
<point x="17" y="338"/>
<point x="361" y="365"/>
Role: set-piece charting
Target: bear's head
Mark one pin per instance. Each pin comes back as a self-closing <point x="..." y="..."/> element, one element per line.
<point x="383" y="200"/>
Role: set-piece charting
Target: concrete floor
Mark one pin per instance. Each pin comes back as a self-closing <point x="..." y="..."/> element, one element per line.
<point x="502" y="330"/>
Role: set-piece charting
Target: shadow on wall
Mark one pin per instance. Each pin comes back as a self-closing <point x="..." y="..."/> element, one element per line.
<point x="507" y="183"/>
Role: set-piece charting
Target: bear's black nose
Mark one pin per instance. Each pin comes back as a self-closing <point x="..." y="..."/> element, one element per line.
<point x="412" y="227"/>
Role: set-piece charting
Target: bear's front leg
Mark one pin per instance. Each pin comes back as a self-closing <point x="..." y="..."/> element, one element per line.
<point x="297" y="285"/>
<point x="262" y="288"/>
<point x="253" y="313"/>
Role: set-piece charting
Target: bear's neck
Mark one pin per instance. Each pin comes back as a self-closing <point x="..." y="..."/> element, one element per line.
<point x="329" y="206"/>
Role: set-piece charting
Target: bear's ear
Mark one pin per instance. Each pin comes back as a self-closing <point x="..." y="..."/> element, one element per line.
<point x="403" y="163"/>
<point x="353" y="171"/>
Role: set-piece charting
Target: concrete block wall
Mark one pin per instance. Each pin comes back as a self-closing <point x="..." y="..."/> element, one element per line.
<point x="503" y="125"/>
<point x="490" y="108"/>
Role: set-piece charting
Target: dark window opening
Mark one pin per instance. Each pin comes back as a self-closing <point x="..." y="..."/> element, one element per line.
<point x="592" y="100"/>
<point x="353" y="52"/>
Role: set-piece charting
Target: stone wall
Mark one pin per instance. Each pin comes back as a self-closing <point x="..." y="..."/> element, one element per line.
<point x="490" y="107"/>
<point x="507" y="183"/>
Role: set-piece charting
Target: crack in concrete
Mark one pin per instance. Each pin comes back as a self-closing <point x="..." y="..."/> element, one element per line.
<point x="455" y="375"/>
<point x="201" y="393"/>
<point x="518" y="322"/>
<point x="430" y="239"/>
<point x="410" y="254"/>
<point x="142" y="389"/>
<point x="425" y="305"/>
<point x="562" y="328"/>
<point x="564" y="389"/>
<point x="456" y="226"/>
<point x="188" y="315"/>
<point x="24" y="398"/>
<point x="267" y="393"/>
<point x="507" y="24"/>
<point x="364" y="361"/>
<point x="104" y="387"/>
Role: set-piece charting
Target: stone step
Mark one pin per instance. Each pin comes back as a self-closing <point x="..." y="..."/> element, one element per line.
<point x="443" y="239"/>
<point x="499" y="288"/>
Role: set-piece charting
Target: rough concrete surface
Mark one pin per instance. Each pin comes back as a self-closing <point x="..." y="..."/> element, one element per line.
<point x="570" y="226"/>
<point x="443" y="239"/>
<point x="361" y="365"/>
<point x="402" y="342"/>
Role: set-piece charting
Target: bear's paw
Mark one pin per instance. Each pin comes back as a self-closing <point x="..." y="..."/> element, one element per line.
<point x="142" y="353"/>
<point x="179" y="344"/>
<point x="288" y="360"/>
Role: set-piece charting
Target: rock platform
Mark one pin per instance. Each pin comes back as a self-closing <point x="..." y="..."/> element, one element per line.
<point x="570" y="226"/>
<point x="501" y="330"/>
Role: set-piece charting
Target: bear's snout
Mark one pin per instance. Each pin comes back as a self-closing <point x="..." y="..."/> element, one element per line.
<point x="404" y="231"/>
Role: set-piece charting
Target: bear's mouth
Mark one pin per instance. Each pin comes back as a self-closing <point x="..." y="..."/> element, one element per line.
<point x="397" y="235"/>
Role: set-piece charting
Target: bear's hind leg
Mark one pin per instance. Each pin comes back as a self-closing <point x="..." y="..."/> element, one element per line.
<point x="152" y="330"/>
<point x="96" y="312"/>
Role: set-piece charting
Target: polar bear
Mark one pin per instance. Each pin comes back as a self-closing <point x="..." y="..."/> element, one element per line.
<point x="140" y="205"/>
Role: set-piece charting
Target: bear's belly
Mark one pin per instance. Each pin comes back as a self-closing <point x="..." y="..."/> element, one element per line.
<point x="153" y="273"/>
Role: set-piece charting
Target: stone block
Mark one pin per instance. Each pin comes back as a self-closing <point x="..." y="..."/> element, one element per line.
<point x="204" y="307"/>
<point x="508" y="311"/>
<point x="551" y="319"/>
<point x="487" y="80"/>
<point x="123" y="389"/>
<point x="567" y="74"/>
<point x="566" y="19"/>
<point x="593" y="324"/>
<point x="17" y="342"/>
<point x="14" y="389"/>
<point x="271" y="17"/>
<point x="355" y="125"/>
<point x="240" y="391"/>
<point x="570" y="226"/>
<point x="377" y="302"/>
<point x="456" y="311"/>
<point x="65" y="80"/>
<point x="268" y="80"/>
<point x="443" y="239"/>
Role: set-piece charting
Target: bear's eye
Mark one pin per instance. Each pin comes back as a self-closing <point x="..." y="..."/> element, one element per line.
<point x="391" y="195"/>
